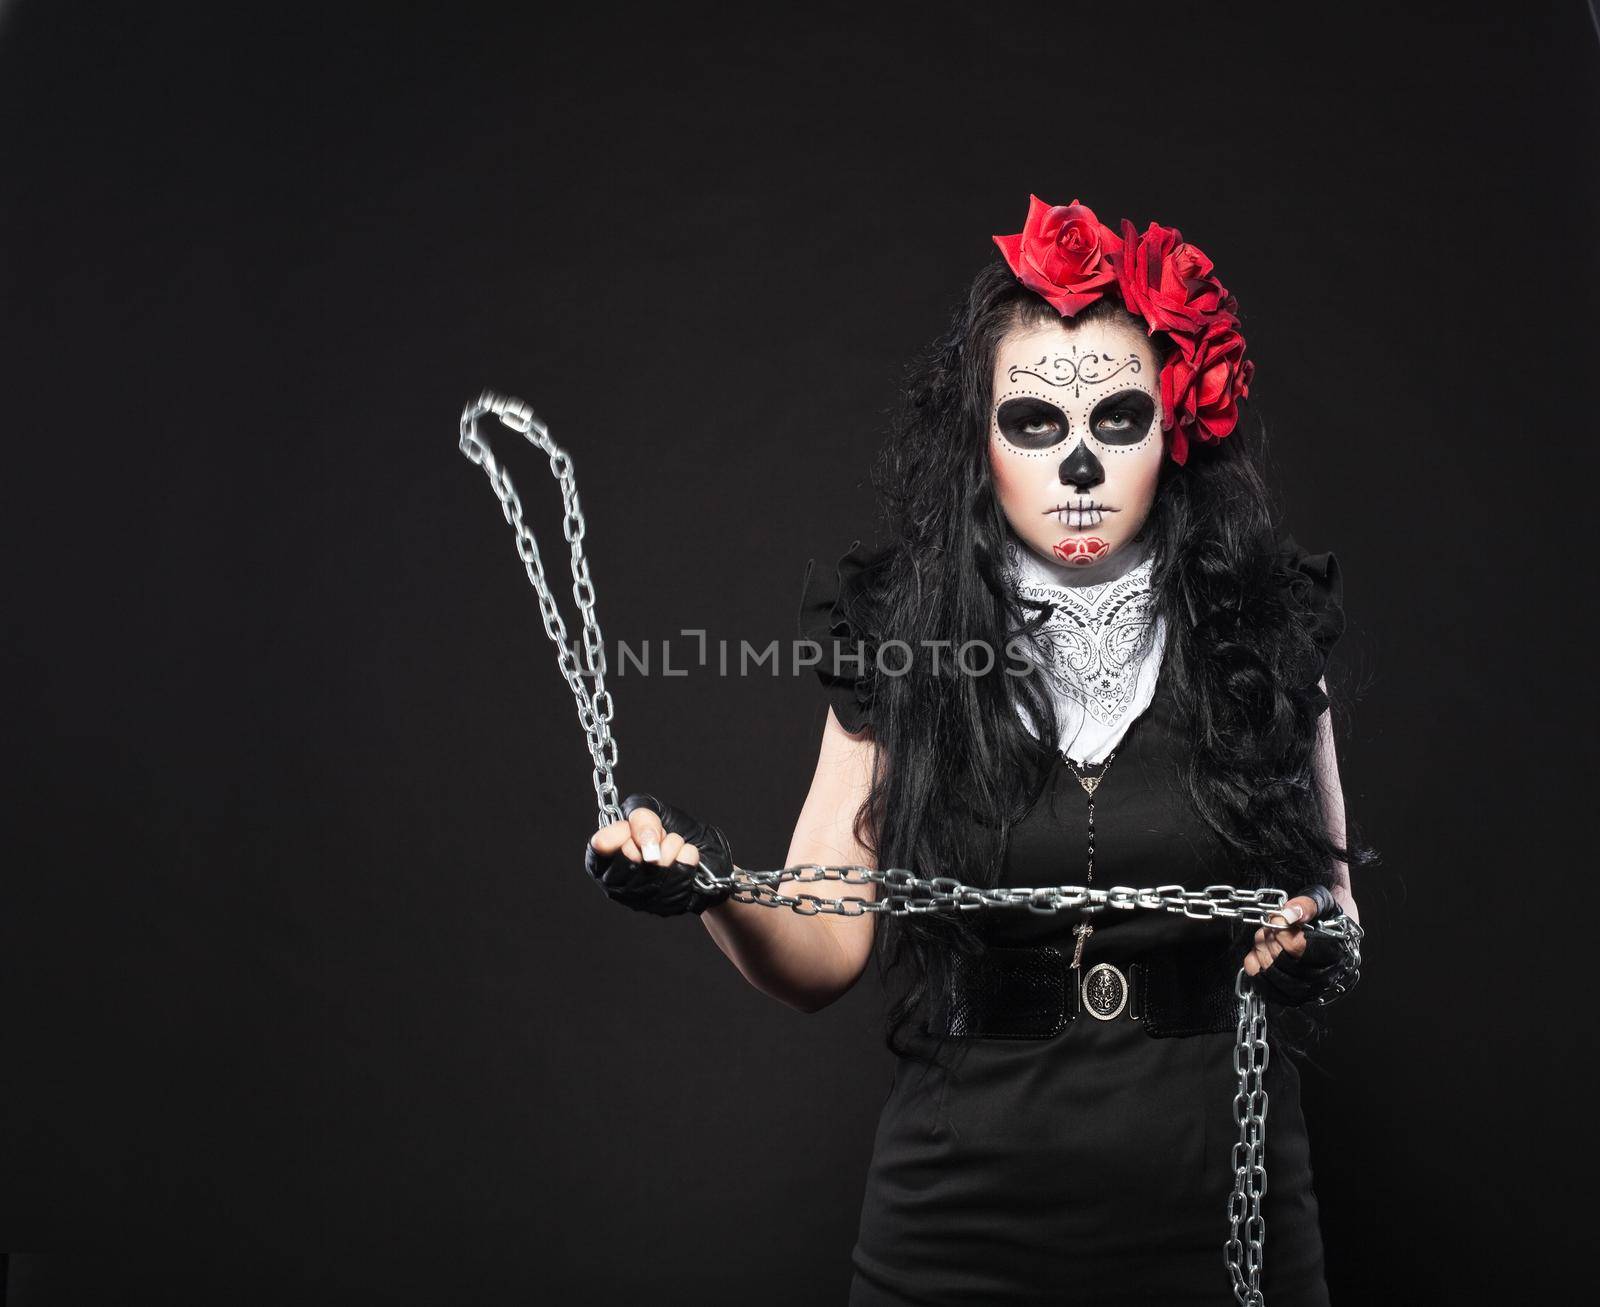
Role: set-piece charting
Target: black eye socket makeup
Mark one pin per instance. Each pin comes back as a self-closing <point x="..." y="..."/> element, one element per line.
<point x="1123" y="419"/>
<point x="1031" y="423"/>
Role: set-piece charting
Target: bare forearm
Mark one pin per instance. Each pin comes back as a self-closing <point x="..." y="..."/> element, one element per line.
<point x="808" y="961"/>
<point x="1332" y="794"/>
<point x="798" y="960"/>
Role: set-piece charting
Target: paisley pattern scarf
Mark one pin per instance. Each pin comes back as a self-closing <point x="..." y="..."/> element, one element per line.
<point x="1100" y="650"/>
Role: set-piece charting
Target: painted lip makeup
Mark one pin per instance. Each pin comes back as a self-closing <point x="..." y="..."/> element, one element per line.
<point x="1081" y="551"/>
<point x="1082" y="513"/>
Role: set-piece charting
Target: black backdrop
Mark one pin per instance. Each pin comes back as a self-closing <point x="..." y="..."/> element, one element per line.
<point x="305" y="995"/>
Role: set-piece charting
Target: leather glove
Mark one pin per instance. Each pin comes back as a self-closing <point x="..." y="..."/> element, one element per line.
<point x="1329" y="967"/>
<point x="664" y="891"/>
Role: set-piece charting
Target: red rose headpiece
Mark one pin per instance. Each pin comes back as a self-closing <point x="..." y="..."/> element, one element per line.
<point x="1068" y="256"/>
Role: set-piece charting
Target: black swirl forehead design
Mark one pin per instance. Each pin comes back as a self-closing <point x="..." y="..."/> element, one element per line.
<point x="1076" y="370"/>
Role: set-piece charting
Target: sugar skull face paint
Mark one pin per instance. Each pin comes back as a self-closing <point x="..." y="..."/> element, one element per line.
<point x="1075" y="438"/>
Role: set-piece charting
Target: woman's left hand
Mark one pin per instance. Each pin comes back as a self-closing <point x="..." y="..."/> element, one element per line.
<point x="1272" y="941"/>
<point x="1298" y="967"/>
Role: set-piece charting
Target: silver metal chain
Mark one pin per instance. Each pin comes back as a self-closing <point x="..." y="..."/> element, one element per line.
<point x="594" y="706"/>
<point x="902" y="892"/>
<point x="1245" y="1252"/>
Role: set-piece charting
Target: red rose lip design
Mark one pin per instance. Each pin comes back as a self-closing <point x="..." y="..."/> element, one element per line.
<point x="1082" y="551"/>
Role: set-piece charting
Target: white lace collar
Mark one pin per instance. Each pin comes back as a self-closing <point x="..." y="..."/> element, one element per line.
<point x="1100" y="650"/>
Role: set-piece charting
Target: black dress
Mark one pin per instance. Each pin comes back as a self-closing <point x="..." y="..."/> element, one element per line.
<point x="1094" y="1166"/>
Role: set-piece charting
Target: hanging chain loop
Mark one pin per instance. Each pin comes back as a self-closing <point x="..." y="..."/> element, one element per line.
<point x="594" y="705"/>
<point x="902" y="892"/>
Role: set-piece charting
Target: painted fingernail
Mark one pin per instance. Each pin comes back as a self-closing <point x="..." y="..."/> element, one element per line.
<point x="651" y="850"/>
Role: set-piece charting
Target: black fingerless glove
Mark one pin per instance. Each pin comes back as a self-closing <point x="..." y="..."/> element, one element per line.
<point x="1329" y="967"/>
<point x="665" y="891"/>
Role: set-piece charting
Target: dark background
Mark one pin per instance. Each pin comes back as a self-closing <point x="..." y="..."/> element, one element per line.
<point x="305" y="995"/>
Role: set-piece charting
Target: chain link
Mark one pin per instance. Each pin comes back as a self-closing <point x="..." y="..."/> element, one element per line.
<point x="1245" y="1252"/>
<point x="595" y="707"/>
<point x="905" y="893"/>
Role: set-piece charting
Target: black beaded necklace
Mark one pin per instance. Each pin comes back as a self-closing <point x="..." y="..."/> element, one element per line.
<point x="1090" y="784"/>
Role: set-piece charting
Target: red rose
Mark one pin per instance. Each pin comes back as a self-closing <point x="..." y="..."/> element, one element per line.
<point x="1167" y="281"/>
<point x="1064" y="253"/>
<point x="1067" y="256"/>
<point x="1202" y="384"/>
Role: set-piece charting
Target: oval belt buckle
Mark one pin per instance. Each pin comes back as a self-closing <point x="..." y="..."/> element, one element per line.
<point x="1105" y="991"/>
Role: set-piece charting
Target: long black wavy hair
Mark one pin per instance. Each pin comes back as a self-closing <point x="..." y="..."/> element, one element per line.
<point x="955" y="766"/>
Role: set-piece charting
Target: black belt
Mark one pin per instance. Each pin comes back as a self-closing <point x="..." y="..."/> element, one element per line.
<point x="1033" y="993"/>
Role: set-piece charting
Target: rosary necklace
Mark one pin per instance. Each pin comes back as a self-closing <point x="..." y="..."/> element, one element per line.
<point x="1090" y="784"/>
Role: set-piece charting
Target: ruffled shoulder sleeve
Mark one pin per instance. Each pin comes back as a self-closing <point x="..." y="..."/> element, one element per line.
<point x="1315" y="587"/>
<point x="838" y="612"/>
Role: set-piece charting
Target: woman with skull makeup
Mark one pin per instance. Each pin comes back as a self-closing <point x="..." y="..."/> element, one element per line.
<point x="1061" y="1120"/>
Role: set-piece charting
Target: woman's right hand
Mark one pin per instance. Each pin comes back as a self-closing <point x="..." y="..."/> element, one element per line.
<point x="648" y="860"/>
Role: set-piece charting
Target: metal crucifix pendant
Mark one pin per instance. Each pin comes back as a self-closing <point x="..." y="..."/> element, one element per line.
<point x="1082" y="930"/>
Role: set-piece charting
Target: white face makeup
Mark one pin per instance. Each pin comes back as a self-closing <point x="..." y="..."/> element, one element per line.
<point x="1075" y="440"/>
